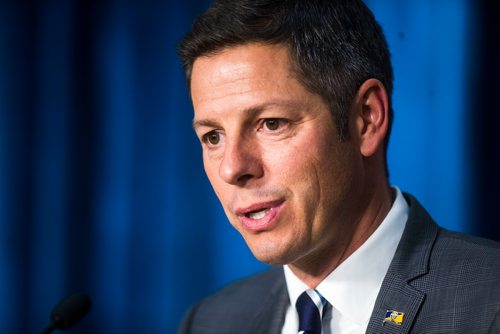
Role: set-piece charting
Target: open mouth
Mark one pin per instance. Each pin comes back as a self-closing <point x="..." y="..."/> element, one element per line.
<point x="259" y="214"/>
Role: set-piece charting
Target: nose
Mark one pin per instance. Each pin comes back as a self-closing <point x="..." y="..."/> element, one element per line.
<point x="241" y="162"/>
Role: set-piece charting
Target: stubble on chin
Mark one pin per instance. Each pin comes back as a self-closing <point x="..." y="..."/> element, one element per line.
<point x="274" y="252"/>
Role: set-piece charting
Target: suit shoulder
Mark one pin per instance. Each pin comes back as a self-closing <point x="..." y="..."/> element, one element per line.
<point x="250" y="287"/>
<point x="466" y="256"/>
<point x="242" y="304"/>
<point x="468" y="245"/>
<point x="447" y="247"/>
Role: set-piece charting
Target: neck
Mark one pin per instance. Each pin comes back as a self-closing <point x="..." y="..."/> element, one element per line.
<point x="372" y="211"/>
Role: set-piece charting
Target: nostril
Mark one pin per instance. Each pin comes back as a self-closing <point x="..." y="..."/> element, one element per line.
<point x="244" y="178"/>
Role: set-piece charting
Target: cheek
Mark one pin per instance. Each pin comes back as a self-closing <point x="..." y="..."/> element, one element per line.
<point x="212" y="172"/>
<point x="209" y="171"/>
<point x="318" y="170"/>
<point x="211" y="163"/>
<point x="295" y="167"/>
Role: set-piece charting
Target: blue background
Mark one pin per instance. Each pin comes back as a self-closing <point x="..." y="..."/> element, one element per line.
<point x="101" y="181"/>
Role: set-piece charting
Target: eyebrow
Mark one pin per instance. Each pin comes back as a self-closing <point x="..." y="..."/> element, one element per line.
<point x="205" y="122"/>
<point x="249" y="113"/>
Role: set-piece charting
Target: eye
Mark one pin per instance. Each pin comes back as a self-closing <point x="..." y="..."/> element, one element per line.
<point x="212" y="138"/>
<point x="273" y="124"/>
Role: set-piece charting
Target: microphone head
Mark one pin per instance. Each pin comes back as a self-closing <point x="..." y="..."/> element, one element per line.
<point x="70" y="310"/>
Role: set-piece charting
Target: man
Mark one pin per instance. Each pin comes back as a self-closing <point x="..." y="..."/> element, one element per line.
<point x="292" y="104"/>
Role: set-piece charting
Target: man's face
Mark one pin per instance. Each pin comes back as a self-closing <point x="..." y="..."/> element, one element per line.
<point x="272" y="154"/>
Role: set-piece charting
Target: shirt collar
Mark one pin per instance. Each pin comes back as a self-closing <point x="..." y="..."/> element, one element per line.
<point x="353" y="286"/>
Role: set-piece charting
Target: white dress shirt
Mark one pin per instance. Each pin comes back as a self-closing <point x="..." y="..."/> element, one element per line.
<point x="353" y="286"/>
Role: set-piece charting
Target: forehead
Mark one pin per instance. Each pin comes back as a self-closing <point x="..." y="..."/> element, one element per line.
<point x="241" y="70"/>
<point x="243" y="57"/>
<point x="242" y="62"/>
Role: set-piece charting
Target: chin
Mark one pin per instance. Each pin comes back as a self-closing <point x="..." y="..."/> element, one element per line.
<point x="272" y="254"/>
<point x="271" y="260"/>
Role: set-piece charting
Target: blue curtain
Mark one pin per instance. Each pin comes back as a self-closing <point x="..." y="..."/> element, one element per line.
<point x="102" y="187"/>
<point x="430" y="43"/>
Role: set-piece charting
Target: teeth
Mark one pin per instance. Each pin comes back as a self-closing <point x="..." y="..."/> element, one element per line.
<point x="258" y="214"/>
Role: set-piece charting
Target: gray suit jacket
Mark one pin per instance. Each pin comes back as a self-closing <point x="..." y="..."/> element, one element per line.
<point x="444" y="282"/>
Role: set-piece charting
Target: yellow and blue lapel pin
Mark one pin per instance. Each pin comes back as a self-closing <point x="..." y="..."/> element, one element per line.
<point x="394" y="317"/>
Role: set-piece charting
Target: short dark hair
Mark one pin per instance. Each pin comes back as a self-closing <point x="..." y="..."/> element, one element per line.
<point x="334" y="45"/>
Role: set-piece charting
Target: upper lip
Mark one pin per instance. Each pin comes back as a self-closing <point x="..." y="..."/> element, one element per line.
<point x="257" y="207"/>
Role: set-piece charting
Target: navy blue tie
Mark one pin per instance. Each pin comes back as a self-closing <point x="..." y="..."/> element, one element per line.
<point x="309" y="314"/>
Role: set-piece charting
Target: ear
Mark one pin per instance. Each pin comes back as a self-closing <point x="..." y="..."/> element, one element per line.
<point x="372" y="116"/>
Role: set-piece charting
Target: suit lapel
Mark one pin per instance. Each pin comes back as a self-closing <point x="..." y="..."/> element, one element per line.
<point x="271" y="316"/>
<point x="396" y="296"/>
<point x="410" y="261"/>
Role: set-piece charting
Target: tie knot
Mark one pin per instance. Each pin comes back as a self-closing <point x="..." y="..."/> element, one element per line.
<point x="309" y="306"/>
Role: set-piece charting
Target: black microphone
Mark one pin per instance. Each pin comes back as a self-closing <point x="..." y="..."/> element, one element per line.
<point x="68" y="312"/>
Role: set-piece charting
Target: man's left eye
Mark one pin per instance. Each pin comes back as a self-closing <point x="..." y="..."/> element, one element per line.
<point x="274" y="124"/>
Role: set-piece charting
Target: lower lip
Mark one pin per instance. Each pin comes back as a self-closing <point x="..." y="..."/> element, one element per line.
<point x="263" y="224"/>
